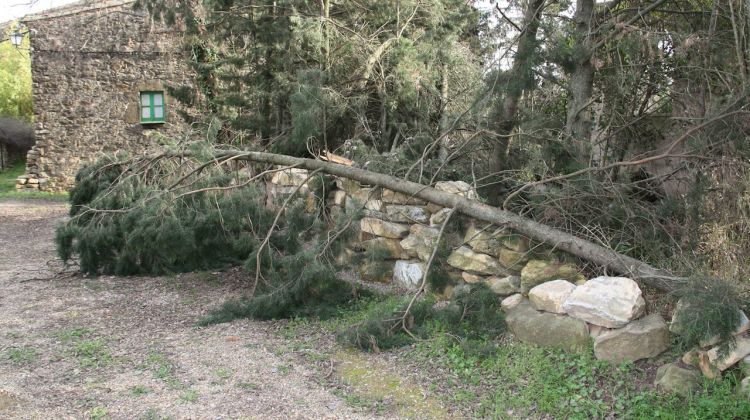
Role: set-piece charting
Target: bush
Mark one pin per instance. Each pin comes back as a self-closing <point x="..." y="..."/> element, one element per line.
<point x="711" y="308"/>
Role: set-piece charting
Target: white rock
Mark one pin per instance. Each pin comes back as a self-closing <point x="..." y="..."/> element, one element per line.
<point x="611" y="302"/>
<point x="511" y="302"/>
<point x="551" y="296"/>
<point x="408" y="274"/>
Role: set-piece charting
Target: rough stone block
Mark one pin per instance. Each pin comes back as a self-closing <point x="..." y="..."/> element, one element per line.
<point x="407" y="214"/>
<point x="611" y="302"/>
<point x="421" y="241"/>
<point x="382" y="228"/>
<point x="539" y="271"/>
<point x="550" y="296"/>
<point x="643" y="338"/>
<point x="546" y="329"/>
<point x="681" y="381"/>
<point x="408" y="274"/>
<point x="464" y="258"/>
<point x="504" y="286"/>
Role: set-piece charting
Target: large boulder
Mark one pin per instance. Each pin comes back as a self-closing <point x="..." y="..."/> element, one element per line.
<point x="382" y="228"/>
<point x="464" y="258"/>
<point x="407" y="214"/>
<point x="611" y="302"/>
<point x="546" y="329"/>
<point x="539" y="271"/>
<point x="673" y="378"/>
<point x="504" y="286"/>
<point x="551" y="296"/>
<point x="421" y="241"/>
<point x="408" y="274"/>
<point x="641" y="339"/>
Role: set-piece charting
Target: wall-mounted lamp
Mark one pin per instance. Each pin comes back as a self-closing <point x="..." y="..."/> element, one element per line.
<point x="16" y="38"/>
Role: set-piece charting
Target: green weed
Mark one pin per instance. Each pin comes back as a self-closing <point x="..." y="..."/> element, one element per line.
<point x="92" y="353"/>
<point x="21" y="355"/>
<point x="98" y="412"/>
<point x="139" y="390"/>
<point x="189" y="396"/>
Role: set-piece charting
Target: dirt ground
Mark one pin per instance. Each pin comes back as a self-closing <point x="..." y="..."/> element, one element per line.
<point x="126" y="348"/>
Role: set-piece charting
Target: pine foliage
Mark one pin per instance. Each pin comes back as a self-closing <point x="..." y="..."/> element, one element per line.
<point x="473" y="313"/>
<point x="710" y="308"/>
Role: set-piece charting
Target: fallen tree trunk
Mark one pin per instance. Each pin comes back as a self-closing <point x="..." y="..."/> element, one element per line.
<point x="604" y="257"/>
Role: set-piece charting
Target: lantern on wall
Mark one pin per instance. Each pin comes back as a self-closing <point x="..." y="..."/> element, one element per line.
<point x="16" y="38"/>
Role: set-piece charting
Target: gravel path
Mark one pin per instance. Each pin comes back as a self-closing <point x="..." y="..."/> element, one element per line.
<point x="127" y="348"/>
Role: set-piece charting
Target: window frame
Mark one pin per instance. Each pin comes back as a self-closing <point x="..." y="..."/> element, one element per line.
<point x="152" y="119"/>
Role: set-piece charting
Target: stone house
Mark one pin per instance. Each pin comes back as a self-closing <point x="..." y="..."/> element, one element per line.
<point x="100" y="71"/>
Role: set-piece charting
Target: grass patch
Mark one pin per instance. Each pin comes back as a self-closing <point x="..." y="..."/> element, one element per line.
<point x="139" y="390"/>
<point x="73" y="335"/>
<point x="8" y="186"/>
<point x="21" y="355"/>
<point x="518" y="380"/>
<point x="189" y="396"/>
<point x="162" y="368"/>
<point x="98" y="413"/>
<point x="375" y="387"/>
<point x="92" y="353"/>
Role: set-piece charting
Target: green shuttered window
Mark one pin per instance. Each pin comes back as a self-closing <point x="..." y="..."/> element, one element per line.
<point x="152" y="107"/>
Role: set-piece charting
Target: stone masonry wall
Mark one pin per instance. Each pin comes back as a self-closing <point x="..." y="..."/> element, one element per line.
<point x="547" y="301"/>
<point x="89" y="63"/>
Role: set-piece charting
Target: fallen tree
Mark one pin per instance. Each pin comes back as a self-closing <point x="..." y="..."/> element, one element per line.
<point x="597" y="254"/>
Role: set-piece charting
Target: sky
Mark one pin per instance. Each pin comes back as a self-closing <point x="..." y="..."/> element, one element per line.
<point x="14" y="9"/>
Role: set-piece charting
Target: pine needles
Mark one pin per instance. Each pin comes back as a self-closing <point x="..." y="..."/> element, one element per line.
<point x="710" y="308"/>
<point x="473" y="313"/>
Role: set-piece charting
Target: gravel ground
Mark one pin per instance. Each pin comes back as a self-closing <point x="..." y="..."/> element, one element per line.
<point x="113" y="347"/>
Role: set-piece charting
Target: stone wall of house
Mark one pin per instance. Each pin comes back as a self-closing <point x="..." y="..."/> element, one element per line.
<point x="90" y="61"/>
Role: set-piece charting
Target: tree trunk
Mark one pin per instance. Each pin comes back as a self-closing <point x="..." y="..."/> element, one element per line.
<point x="443" y="126"/>
<point x="521" y="77"/>
<point x="589" y="251"/>
<point x="578" y="124"/>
